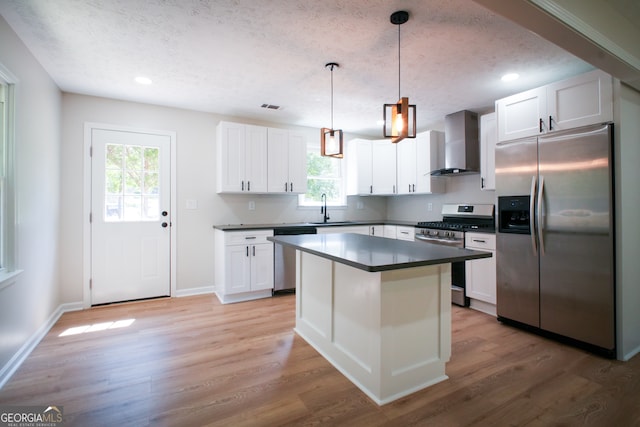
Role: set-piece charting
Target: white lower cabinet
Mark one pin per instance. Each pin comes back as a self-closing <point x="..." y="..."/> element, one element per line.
<point x="243" y="265"/>
<point x="481" y="273"/>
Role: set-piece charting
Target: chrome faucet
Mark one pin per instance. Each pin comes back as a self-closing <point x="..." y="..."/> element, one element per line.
<point x="323" y="208"/>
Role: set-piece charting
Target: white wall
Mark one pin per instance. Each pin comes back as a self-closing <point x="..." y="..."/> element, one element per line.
<point x="460" y="189"/>
<point x="27" y="304"/>
<point x="196" y="180"/>
<point x="627" y="177"/>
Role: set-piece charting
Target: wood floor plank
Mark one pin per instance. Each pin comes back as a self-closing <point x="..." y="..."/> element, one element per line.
<point x="192" y="361"/>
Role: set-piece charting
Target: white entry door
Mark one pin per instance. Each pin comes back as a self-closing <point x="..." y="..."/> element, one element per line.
<point x="130" y="216"/>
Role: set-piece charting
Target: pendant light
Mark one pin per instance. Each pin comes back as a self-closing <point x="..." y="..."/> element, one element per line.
<point x="399" y="118"/>
<point x="330" y="138"/>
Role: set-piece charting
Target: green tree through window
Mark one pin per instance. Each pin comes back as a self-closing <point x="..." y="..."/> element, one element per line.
<point x="324" y="175"/>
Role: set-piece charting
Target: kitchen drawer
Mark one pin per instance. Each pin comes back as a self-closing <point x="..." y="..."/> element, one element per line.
<point x="247" y="237"/>
<point x="405" y="233"/>
<point x="480" y="241"/>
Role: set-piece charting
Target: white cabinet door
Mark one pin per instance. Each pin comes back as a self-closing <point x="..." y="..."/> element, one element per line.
<point x="417" y="158"/>
<point x="287" y="161"/>
<point x="256" y="159"/>
<point x="429" y="156"/>
<point x="488" y="140"/>
<point x="238" y="269"/>
<point x="407" y="164"/>
<point x="261" y="266"/>
<point x="389" y="231"/>
<point x="584" y="100"/>
<point x="278" y="160"/>
<point x="481" y="273"/>
<point x="521" y="115"/>
<point x="359" y="164"/>
<point x="383" y="153"/>
<point x="297" y="162"/>
<point x="230" y="154"/>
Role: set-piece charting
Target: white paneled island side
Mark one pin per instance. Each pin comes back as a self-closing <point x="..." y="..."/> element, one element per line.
<point x="377" y="309"/>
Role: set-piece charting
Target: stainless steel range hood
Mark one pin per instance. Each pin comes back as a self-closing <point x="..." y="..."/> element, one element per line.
<point x="462" y="145"/>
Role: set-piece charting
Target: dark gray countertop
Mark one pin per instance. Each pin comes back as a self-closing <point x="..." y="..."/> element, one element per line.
<point x="374" y="254"/>
<point x="240" y="227"/>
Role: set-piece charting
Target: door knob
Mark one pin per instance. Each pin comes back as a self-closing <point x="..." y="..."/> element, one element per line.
<point x="164" y="225"/>
<point x="164" y="213"/>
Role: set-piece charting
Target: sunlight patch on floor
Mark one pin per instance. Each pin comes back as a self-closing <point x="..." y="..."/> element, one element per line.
<point x="76" y="330"/>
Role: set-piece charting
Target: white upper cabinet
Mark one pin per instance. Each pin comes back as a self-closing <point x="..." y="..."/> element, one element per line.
<point x="416" y="159"/>
<point x="371" y="167"/>
<point x="579" y="101"/>
<point x="241" y="152"/>
<point x="256" y="159"/>
<point x="383" y="161"/>
<point x="359" y="167"/>
<point x="488" y="140"/>
<point x="584" y="100"/>
<point x="287" y="161"/>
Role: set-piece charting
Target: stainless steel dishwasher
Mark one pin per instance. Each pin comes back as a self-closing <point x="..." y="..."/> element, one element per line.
<point x="284" y="259"/>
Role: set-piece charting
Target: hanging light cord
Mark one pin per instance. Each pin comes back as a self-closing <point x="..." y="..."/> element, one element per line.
<point x="332" y="97"/>
<point x="399" y="61"/>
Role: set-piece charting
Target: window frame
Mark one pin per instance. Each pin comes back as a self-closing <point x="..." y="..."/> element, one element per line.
<point x="8" y="229"/>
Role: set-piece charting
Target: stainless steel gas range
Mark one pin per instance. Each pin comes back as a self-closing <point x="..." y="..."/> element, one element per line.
<point x="456" y="220"/>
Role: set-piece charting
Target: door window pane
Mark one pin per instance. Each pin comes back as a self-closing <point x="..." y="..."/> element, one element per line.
<point x="131" y="183"/>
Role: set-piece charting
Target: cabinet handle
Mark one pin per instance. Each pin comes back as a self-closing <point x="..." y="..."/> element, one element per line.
<point x="414" y="188"/>
<point x="248" y="185"/>
<point x="285" y="187"/>
<point x="479" y="241"/>
<point x="250" y="237"/>
<point x="481" y="182"/>
<point x="541" y="122"/>
<point x="409" y="188"/>
<point x="371" y="189"/>
<point x="254" y="250"/>
<point x="373" y="231"/>
<point x="291" y="187"/>
<point x="404" y="232"/>
<point x="394" y="189"/>
<point x="247" y="250"/>
<point x="242" y="185"/>
<point x="550" y="123"/>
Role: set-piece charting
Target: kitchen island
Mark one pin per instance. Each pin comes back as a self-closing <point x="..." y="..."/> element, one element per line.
<point x="377" y="309"/>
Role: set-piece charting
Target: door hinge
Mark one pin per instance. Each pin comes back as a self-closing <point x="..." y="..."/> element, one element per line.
<point x="90" y="217"/>
<point x="91" y="151"/>
<point x="90" y="283"/>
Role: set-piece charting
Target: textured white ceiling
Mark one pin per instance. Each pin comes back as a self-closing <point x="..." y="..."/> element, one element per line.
<point x="232" y="56"/>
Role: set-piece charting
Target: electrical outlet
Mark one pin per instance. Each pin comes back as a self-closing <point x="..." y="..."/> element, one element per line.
<point x="252" y="205"/>
<point x="429" y="207"/>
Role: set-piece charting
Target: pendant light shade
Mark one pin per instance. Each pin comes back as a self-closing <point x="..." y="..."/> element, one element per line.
<point x="331" y="141"/>
<point x="399" y="118"/>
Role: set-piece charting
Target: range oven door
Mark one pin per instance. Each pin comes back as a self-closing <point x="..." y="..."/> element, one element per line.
<point x="458" y="276"/>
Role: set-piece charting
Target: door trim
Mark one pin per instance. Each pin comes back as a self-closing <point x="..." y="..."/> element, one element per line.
<point x="86" y="232"/>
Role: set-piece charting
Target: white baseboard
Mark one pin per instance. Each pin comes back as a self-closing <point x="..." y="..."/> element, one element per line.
<point x="628" y="355"/>
<point x="21" y="355"/>
<point x="195" y="291"/>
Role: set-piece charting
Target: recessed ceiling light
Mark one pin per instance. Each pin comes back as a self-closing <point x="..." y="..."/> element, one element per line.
<point x="509" y="77"/>
<point x="143" y="80"/>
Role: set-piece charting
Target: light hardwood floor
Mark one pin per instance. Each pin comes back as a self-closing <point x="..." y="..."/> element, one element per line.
<point x="194" y="362"/>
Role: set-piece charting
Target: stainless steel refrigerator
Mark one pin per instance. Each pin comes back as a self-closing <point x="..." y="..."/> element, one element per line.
<point x="555" y="248"/>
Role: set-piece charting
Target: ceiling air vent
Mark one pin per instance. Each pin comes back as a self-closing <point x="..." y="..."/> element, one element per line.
<point x="271" y="107"/>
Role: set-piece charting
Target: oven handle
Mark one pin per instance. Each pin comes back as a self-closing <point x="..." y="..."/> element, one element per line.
<point x="437" y="241"/>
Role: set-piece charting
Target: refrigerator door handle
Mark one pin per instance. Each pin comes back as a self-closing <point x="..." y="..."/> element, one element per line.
<point x="532" y="199"/>
<point x="540" y="220"/>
